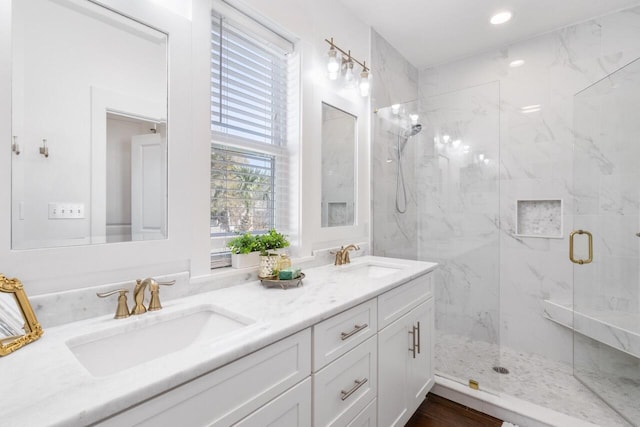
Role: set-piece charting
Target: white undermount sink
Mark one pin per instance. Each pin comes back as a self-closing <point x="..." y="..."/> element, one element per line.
<point x="370" y="269"/>
<point x="139" y="339"/>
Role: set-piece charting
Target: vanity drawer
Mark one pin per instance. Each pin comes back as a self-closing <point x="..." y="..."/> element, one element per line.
<point x="290" y="409"/>
<point x="394" y="304"/>
<point x="345" y="387"/>
<point x="368" y="417"/>
<point x="226" y="395"/>
<point x="342" y="332"/>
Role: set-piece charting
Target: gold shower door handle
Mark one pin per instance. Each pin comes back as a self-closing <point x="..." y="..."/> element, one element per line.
<point x="590" y="237"/>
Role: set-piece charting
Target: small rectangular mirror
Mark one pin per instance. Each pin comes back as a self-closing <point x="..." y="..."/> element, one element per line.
<point x="18" y="323"/>
<point x="89" y="126"/>
<point x="339" y="137"/>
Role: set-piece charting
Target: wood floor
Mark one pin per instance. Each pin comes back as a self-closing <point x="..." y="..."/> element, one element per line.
<point x="437" y="411"/>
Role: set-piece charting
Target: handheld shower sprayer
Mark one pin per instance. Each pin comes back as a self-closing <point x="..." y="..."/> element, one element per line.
<point x="401" y="204"/>
<point x="412" y="131"/>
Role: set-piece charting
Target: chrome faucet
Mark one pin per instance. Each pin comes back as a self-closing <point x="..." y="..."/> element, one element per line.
<point x="154" y="288"/>
<point x="342" y="256"/>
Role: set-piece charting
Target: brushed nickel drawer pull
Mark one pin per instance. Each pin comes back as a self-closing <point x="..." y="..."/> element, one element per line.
<point x="413" y="349"/>
<point x="356" y="329"/>
<point x="345" y="394"/>
<point x="418" y="344"/>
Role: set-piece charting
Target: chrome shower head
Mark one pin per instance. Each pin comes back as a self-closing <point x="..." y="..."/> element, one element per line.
<point x="413" y="130"/>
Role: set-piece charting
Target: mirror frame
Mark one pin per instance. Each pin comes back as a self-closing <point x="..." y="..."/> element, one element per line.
<point x="32" y="328"/>
<point x="329" y="237"/>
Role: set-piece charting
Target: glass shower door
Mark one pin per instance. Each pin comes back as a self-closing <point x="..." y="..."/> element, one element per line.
<point x="605" y="243"/>
<point x="458" y="187"/>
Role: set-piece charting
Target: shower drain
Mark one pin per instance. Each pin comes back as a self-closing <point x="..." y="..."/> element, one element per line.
<point x="500" y="370"/>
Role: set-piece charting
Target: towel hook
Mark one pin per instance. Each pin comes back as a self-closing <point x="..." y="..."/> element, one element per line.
<point x="15" y="147"/>
<point x="44" y="150"/>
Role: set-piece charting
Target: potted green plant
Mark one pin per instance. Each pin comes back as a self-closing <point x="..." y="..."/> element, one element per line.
<point x="270" y="246"/>
<point x="245" y="251"/>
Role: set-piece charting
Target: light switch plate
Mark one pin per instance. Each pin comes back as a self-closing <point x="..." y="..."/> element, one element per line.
<point x="66" y="210"/>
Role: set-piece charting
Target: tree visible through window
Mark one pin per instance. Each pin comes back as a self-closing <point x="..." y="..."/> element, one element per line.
<point x="242" y="192"/>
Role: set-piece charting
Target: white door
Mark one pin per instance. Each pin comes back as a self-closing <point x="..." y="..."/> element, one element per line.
<point x="148" y="184"/>
<point x="420" y="379"/>
<point x="393" y="364"/>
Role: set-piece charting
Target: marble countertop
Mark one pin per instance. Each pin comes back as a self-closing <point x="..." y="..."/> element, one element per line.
<point x="45" y="385"/>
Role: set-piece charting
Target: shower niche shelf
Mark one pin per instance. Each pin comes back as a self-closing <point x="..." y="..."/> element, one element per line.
<point x="539" y="218"/>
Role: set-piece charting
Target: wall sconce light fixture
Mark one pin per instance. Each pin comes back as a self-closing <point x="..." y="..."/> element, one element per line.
<point x="343" y="64"/>
<point x="44" y="150"/>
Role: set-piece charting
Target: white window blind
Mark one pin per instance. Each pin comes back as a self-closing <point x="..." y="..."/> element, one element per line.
<point x="251" y="84"/>
<point x="248" y="85"/>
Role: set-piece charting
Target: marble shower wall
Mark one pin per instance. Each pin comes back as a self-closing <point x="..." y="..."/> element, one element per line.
<point x="396" y="82"/>
<point x="458" y="208"/>
<point x="535" y="162"/>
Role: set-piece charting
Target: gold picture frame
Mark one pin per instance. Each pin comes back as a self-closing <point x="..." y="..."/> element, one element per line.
<point x="31" y="327"/>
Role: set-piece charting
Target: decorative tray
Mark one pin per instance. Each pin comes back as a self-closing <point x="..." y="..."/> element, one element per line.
<point x="274" y="282"/>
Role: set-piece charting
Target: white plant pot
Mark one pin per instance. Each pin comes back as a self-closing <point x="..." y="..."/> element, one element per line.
<point x="252" y="259"/>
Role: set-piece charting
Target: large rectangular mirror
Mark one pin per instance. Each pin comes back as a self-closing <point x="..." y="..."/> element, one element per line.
<point x="89" y="126"/>
<point x="339" y="133"/>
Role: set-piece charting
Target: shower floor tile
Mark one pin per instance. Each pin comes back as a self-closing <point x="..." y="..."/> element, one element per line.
<point x="531" y="377"/>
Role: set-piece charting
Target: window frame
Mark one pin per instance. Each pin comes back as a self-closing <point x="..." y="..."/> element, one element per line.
<point x="280" y="152"/>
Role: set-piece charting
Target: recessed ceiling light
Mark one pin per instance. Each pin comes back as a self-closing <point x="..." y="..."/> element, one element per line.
<point x="500" y="17"/>
<point x="516" y="63"/>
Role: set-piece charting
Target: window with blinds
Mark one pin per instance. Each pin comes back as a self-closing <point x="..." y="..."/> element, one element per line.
<point x="249" y="100"/>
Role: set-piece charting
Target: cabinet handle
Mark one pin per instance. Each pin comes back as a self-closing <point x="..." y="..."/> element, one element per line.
<point x="413" y="349"/>
<point x="356" y="329"/>
<point x="345" y="394"/>
<point x="418" y="345"/>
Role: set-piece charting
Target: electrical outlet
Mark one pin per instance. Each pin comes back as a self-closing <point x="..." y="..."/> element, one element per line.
<point x="66" y="210"/>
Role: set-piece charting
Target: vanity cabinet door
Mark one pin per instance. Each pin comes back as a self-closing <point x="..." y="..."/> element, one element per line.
<point x="420" y="371"/>
<point x="290" y="409"/>
<point x="405" y="366"/>
<point x="393" y="366"/>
